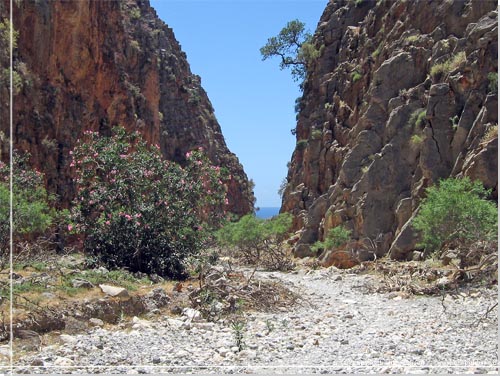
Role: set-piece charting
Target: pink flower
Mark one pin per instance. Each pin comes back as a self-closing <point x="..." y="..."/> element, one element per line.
<point x="138" y="215"/>
<point x="108" y="223"/>
<point x="70" y="227"/>
<point x="128" y="216"/>
<point x="226" y="201"/>
<point x="188" y="154"/>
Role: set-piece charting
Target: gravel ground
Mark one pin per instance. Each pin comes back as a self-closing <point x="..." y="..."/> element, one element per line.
<point x="339" y="327"/>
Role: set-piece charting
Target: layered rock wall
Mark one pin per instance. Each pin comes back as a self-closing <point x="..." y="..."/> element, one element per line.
<point x="91" y="65"/>
<point x="404" y="94"/>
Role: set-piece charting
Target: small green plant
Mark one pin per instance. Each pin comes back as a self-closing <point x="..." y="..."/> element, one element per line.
<point x="412" y="38"/>
<point x="416" y="139"/>
<point x="301" y="144"/>
<point x="135" y="13"/>
<point x="356" y="76"/>
<point x="456" y="212"/>
<point x="493" y="82"/>
<point x="316" y="134"/>
<point x="359" y="3"/>
<point x="269" y="326"/>
<point x="454" y="122"/>
<point x="335" y="238"/>
<point x="449" y="65"/>
<point x="417" y="118"/>
<point x="365" y="169"/>
<point x="238" y="332"/>
<point x="135" y="45"/>
<point x="377" y="51"/>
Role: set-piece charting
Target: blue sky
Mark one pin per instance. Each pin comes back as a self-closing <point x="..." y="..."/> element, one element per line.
<point x="253" y="99"/>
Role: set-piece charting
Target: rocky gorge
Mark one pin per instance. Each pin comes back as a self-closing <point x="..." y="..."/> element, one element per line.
<point x="400" y="95"/>
<point x="403" y="94"/>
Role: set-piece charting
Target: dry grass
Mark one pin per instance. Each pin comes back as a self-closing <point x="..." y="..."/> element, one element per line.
<point x="449" y="65"/>
<point x="490" y="134"/>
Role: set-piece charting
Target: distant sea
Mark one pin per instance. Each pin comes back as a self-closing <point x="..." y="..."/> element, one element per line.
<point x="266" y="213"/>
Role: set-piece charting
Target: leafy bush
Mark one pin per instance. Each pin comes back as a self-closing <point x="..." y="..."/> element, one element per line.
<point x="138" y="211"/>
<point x="258" y="241"/>
<point x="336" y="237"/>
<point x="31" y="211"/>
<point x="456" y="214"/>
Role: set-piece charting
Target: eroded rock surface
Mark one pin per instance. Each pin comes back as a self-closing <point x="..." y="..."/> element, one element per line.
<point x="381" y="122"/>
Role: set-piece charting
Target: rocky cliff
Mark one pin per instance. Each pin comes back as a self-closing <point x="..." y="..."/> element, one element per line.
<point x="90" y="65"/>
<point x="403" y="94"/>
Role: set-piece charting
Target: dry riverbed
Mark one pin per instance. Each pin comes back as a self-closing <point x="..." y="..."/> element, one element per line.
<point x="340" y="325"/>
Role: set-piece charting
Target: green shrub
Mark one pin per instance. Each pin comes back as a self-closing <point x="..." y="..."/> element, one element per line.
<point x="32" y="212"/>
<point x="493" y="82"/>
<point x="356" y="76"/>
<point x="335" y="238"/>
<point x="416" y="139"/>
<point x="417" y="118"/>
<point x="139" y="212"/>
<point x="456" y="213"/>
<point x="449" y="65"/>
<point x="301" y="144"/>
<point x="258" y="241"/>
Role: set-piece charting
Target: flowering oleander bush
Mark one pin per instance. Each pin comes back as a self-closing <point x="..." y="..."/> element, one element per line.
<point x="138" y="211"/>
<point x="31" y="205"/>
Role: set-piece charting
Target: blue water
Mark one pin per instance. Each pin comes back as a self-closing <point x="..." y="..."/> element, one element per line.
<point x="265" y="213"/>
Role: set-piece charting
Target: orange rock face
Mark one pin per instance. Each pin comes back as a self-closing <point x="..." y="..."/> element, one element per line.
<point x="91" y="65"/>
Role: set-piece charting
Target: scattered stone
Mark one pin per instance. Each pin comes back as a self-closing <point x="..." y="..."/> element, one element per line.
<point x="63" y="362"/>
<point x="37" y="363"/>
<point x="192" y="315"/>
<point x="96" y="322"/>
<point x="156" y="298"/>
<point x="114" y="291"/>
<point x="81" y="283"/>
<point x="66" y="338"/>
<point x="176" y="310"/>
